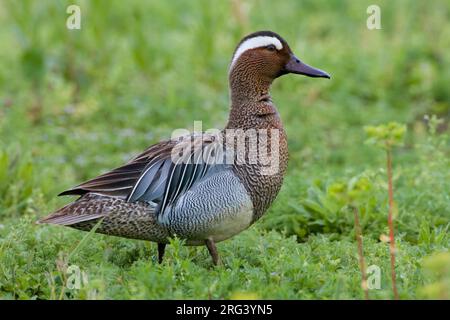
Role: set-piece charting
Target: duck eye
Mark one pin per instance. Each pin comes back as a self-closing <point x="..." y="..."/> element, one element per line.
<point x="271" y="47"/>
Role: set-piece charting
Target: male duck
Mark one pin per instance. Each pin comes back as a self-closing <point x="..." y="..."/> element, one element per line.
<point x="155" y="195"/>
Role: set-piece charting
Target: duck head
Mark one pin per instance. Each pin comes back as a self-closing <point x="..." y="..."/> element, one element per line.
<point x="264" y="56"/>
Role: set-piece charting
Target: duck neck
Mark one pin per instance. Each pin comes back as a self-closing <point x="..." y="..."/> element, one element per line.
<point x="250" y="99"/>
<point x="248" y="90"/>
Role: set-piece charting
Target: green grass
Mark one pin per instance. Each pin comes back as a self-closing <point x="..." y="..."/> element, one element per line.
<point x="74" y="104"/>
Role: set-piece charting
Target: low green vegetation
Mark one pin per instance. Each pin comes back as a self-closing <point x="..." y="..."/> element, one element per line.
<point x="75" y="103"/>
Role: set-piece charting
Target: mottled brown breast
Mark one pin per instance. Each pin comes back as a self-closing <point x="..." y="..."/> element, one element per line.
<point x="262" y="185"/>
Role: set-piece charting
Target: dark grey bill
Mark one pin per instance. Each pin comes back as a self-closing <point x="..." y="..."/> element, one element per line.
<point x="296" y="66"/>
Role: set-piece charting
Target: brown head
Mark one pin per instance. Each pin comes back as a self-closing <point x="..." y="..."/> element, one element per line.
<point x="262" y="57"/>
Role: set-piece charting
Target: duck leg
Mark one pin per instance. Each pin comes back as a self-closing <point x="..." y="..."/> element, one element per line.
<point x="213" y="251"/>
<point x="161" y="249"/>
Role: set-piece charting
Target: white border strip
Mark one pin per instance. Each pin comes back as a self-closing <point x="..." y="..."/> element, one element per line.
<point x="256" y="42"/>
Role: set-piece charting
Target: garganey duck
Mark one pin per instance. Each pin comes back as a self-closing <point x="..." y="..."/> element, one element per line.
<point x="201" y="187"/>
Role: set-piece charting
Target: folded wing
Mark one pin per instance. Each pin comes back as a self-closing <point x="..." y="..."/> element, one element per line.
<point x="162" y="173"/>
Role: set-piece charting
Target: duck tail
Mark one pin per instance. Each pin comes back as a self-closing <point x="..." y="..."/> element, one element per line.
<point x="85" y="208"/>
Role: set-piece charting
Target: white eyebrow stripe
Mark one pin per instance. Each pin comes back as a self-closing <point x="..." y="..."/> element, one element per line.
<point x="256" y="42"/>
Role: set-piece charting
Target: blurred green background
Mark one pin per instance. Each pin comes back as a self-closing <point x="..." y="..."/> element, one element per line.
<point x="75" y="103"/>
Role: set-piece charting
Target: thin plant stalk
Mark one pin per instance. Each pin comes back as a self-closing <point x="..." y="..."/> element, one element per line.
<point x="391" y="221"/>
<point x="80" y="244"/>
<point x="362" y="262"/>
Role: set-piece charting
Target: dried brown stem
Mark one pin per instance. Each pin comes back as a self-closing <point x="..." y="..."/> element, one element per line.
<point x="391" y="221"/>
